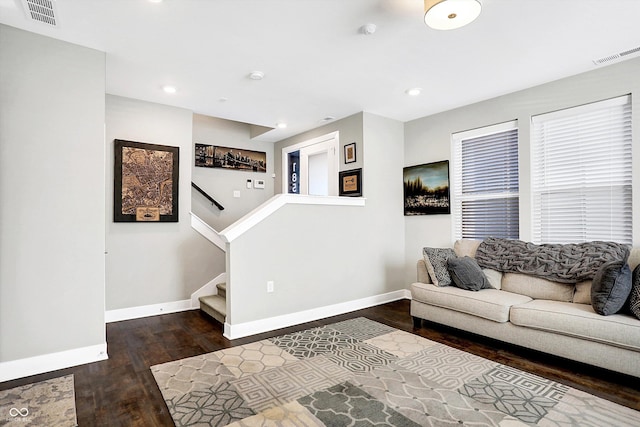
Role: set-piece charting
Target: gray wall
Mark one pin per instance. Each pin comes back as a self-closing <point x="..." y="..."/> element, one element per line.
<point x="154" y="263"/>
<point x="221" y="183"/>
<point x="350" y="129"/>
<point x="324" y="255"/>
<point x="51" y="195"/>
<point x="429" y="139"/>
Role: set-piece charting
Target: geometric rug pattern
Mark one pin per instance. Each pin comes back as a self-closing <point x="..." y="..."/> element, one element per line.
<point x="362" y="373"/>
<point x="46" y="403"/>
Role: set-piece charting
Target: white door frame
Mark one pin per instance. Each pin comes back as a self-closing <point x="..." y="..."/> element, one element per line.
<point x="326" y="143"/>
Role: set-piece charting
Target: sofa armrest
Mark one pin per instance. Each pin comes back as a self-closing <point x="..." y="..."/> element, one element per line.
<point x="423" y="274"/>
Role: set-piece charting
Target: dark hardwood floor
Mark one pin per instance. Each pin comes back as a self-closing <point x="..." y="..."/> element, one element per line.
<point x="121" y="391"/>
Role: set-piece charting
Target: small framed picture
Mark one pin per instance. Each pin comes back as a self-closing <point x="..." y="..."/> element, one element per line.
<point x="350" y="153"/>
<point x="350" y="183"/>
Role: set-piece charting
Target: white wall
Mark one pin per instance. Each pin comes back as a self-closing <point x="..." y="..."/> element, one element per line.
<point x="429" y="139"/>
<point x="51" y="198"/>
<point x="221" y="183"/>
<point x="326" y="255"/>
<point x="154" y="263"/>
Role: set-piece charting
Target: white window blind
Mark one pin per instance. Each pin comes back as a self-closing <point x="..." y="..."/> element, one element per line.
<point x="485" y="182"/>
<point x="581" y="173"/>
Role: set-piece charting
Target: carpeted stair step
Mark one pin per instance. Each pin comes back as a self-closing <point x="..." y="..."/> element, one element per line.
<point x="222" y="289"/>
<point x="215" y="306"/>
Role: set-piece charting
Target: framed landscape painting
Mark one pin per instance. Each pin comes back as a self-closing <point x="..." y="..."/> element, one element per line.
<point x="145" y="182"/>
<point x="426" y="189"/>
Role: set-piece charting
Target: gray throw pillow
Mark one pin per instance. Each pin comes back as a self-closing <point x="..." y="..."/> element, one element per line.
<point x="436" y="261"/>
<point x="611" y="287"/>
<point x="634" y="298"/>
<point x="467" y="274"/>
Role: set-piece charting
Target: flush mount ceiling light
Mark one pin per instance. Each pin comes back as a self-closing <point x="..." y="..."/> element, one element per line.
<point x="281" y="125"/>
<point x="450" y="14"/>
<point x="169" y="89"/>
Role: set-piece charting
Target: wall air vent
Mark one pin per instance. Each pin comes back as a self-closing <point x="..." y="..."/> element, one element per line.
<point x="43" y="11"/>
<point x="618" y="56"/>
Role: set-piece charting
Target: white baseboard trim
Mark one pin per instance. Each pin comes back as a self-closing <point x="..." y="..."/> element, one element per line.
<point x="52" y="362"/>
<point x="208" y="289"/>
<point x="264" y="325"/>
<point x="147" y="310"/>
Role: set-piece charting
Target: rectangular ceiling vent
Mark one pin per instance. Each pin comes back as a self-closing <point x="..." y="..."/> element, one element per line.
<point x="618" y="56"/>
<point x="43" y="11"/>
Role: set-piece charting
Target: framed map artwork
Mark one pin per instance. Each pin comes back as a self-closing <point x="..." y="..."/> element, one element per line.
<point x="145" y="182"/>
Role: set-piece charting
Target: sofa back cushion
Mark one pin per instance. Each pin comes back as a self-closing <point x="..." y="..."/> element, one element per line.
<point x="466" y="247"/>
<point x="583" y="292"/>
<point x="537" y="288"/>
<point x="634" y="258"/>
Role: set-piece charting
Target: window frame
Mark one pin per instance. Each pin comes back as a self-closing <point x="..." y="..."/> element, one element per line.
<point x="457" y="197"/>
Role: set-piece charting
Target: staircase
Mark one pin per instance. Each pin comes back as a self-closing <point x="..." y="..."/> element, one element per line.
<point x="216" y="305"/>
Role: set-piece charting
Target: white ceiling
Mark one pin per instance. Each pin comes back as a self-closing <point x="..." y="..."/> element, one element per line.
<point x="317" y="63"/>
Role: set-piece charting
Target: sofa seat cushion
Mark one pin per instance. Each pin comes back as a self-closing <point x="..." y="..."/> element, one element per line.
<point x="490" y="304"/>
<point x="578" y="320"/>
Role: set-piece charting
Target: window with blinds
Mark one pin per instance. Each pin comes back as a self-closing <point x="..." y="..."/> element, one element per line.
<point x="485" y="183"/>
<point x="581" y="173"/>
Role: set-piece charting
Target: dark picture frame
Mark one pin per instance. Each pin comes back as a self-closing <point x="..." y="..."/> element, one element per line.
<point x="350" y="183"/>
<point x="203" y="156"/>
<point x="146" y="180"/>
<point x="350" y="153"/>
<point x="239" y="159"/>
<point x="426" y="189"/>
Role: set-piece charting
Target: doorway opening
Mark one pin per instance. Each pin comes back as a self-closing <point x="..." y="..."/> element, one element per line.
<point x="311" y="167"/>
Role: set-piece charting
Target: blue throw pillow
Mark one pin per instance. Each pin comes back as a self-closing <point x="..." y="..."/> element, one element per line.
<point x="634" y="298"/>
<point x="611" y="287"/>
<point x="467" y="274"/>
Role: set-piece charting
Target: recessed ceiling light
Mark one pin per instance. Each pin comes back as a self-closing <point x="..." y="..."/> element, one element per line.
<point x="414" y="91"/>
<point x="256" y="75"/>
<point x="281" y="125"/>
<point x="327" y="119"/>
<point x="155" y="1"/>
<point x="169" y="89"/>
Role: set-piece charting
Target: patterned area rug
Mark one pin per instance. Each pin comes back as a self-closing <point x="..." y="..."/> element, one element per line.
<point x="47" y="403"/>
<point x="363" y="373"/>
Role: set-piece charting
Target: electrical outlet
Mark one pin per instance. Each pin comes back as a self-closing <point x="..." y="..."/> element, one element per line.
<point x="270" y="286"/>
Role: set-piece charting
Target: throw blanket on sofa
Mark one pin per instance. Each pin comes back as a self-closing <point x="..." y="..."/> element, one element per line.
<point x="569" y="263"/>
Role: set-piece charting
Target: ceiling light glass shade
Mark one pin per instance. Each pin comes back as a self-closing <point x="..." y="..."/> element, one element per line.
<point x="450" y="14"/>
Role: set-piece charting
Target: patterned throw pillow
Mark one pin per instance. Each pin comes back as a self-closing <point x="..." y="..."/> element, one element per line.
<point x="611" y="287"/>
<point x="634" y="298"/>
<point x="436" y="261"/>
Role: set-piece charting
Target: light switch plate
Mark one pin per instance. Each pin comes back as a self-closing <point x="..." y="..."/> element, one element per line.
<point x="236" y="193"/>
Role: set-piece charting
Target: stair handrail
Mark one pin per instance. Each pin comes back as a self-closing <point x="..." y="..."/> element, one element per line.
<point x="208" y="197"/>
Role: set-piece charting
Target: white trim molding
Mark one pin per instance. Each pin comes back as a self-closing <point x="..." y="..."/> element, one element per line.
<point x="265" y="325"/>
<point x="260" y="213"/>
<point x="207" y="232"/>
<point x="52" y="362"/>
<point x="147" y="310"/>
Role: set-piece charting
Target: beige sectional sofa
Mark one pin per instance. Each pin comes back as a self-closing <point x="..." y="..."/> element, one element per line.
<point x="535" y="313"/>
